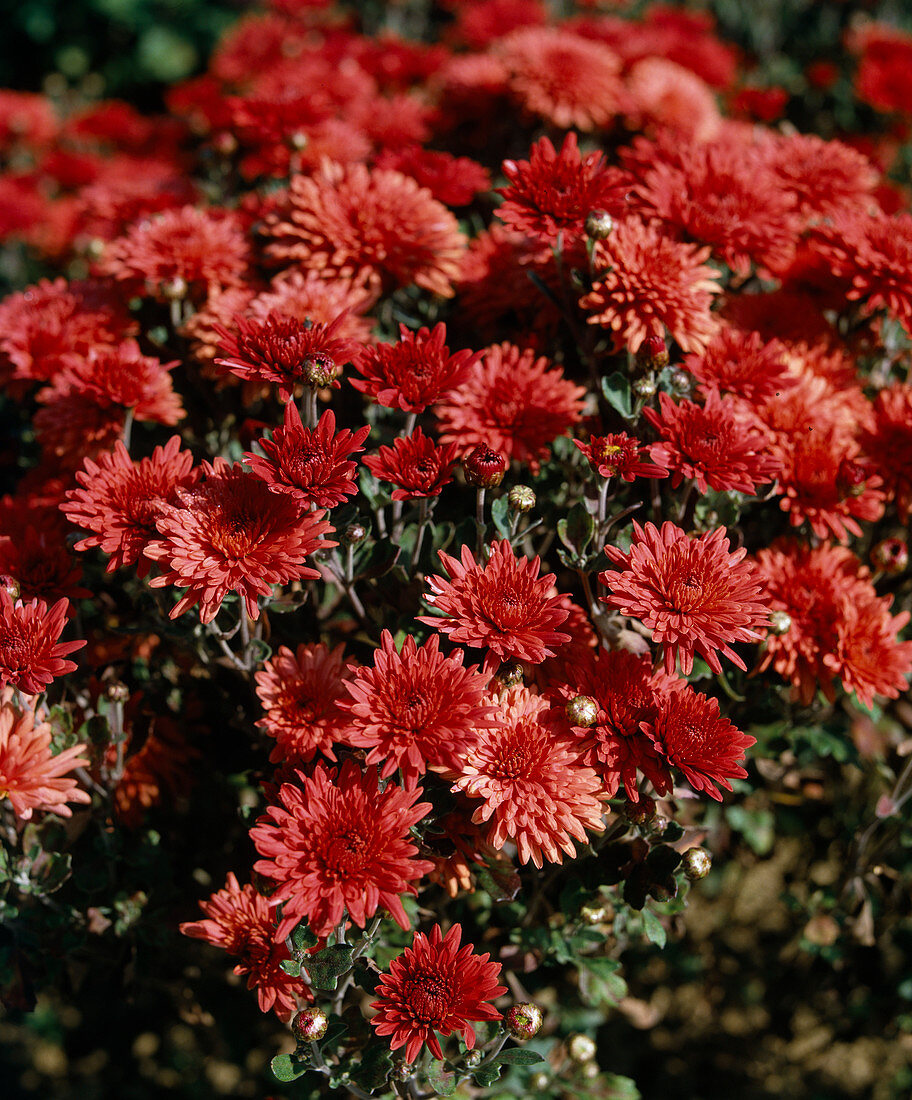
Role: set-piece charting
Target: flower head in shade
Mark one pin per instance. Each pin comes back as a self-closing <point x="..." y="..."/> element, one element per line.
<point x="36" y="554"/>
<point x="30" y="777"/>
<point x="435" y="986"/>
<point x="514" y="402"/>
<point x="535" y="788"/>
<point x="376" y="227"/>
<point x="689" y="731"/>
<point x="669" y="97"/>
<point x="416" y="709"/>
<point x="619" y="455"/>
<point x="72" y="426"/>
<point x="712" y="443"/>
<point x="454" y="181"/>
<point x="647" y="282"/>
<point x="504" y="605"/>
<point x="230" y="534"/>
<point x="336" y="843"/>
<point x="311" y="465"/>
<point x="284" y="351"/>
<point x="187" y="249"/>
<point x="693" y="594"/>
<point x="413" y="373"/>
<point x="31" y="656"/>
<point x="304" y="296"/>
<point x="889" y="443"/>
<point x="239" y="920"/>
<point x="120" y="500"/>
<point x="300" y="692"/>
<point x="415" y="464"/>
<point x="743" y="364"/>
<point x="553" y="192"/>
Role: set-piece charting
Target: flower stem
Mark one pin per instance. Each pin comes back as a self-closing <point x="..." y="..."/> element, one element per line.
<point x="410" y="423"/>
<point x="480" y="519"/>
<point x="128" y="427"/>
<point x="422" y="525"/>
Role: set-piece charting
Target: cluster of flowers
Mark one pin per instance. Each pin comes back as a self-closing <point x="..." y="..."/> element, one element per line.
<point x="772" y="266"/>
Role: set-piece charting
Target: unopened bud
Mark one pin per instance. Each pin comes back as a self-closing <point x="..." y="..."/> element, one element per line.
<point x="599" y="225"/>
<point x="581" y="1048"/>
<point x="509" y="674"/>
<point x="318" y="370"/>
<point x="780" y="622"/>
<point x="354" y="533"/>
<point x="473" y="1059"/>
<point x="642" y="812"/>
<point x="582" y="710"/>
<point x="645" y="387"/>
<point x="681" y="382"/>
<point x="299" y="141"/>
<point x="10" y="586"/>
<point x="652" y="354"/>
<point x="850" y="478"/>
<point x="521" y="498"/>
<point x="596" y="914"/>
<point x="538" y="1082"/>
<point x="890" y="556"/>
<point x="401" y="1070"/>
<point x="696" y="863"/>
<point x="117" y="692"/>
<point x="174" y="289"/>
<point x="524" y="1020"/>
<point x="484" y="468"/>
<point x="225" y="143"/>
<point x="309" y="1025"/>
<point x="591" y="1070"/>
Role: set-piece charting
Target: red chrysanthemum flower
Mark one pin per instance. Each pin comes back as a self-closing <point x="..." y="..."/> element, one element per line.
<point x="536" y="790"/>
<point x="504" y="606"/>
<point x="338" y="843"/>
<point x="889" y="443"/>
<point x="300" y="693"/>
<point x="690" y="732"/>
<point x="30" y="777"/>
<point x="669" y="97"/>
<point x="371" y="226"/>
<point x="180" y="253"/>
<point x="417" y="465"/>
<point x="647" y="283"/>
<point x="306" y="297"/>
<point x="567" y="80"/>
<point x="513" y="402"/>
<point x="37" y="556"/>
<point x="416" y="709"/>
<point x="310" y="465"/>
<point x="618" y="455"/>
<point x="435" y="986"/>
<point x="231" y="534"/>
<point x="693" y="594"/>
<point x="823" y="178"/>
<point x="413" y="373"/>
<point x="712" y="443"/>
<point x="553" y="192"/>
<point x="120" y="500"/>
<point x="743" y="364"/>
<point x="627" y="693"/>
<point x="870" y="659"/>
<point x="883" y="79"/>
<point x="31" y="656"/>
<point x="72" y="426"/>
<point x="239" y="920"/>
<point x="454" y="181"/>
<point x="284" y="351"/>
<point x="160" y="767"/>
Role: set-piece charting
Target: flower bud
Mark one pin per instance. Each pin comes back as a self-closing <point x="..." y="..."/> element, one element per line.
<point x="599" y="225"/>
<point x="299" y="141"/>
<point x="591" y="1070"/>
<point x="509" y="674"/>
<point x="524" y="1020"/>
<point x="538" y="1082"/>
<point x="581" y="1048"/>
<point x="642" y="812"/>
<point x="780" y="622"/>
<point x="696" y="863"/>
<point x="309" y="1025"/>
<point x="10" y="586"/>
<point x="652" y="354"/>
<point x="597" y="914"/>
<point x="645" y="387"/>
<point x="174" y="289"/>
<point x="353" y="534"/>
<point x="318" y="370"/>
<point x="473" y="1059"/>
<point x="890" y="556"/>
<point x="484" y="468"/>
<point x="582" y="710"/>
<point x="117" y="692"/>
<point x="401" y="1070"/>
<point x="225" y="143"/>
<point x="681" y="382"/>
<point x="850" y="478"/>
<point x="521" y="498"/>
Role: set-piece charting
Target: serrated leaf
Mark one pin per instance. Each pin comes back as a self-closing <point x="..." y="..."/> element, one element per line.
<point x="441" y="1080"/>
<point x="285" y="1068"/>
<point x="519" y="1056"/>
<point x="291" y="967"/>
<point x="325" y="967"/>
<point x="487" y="1075"/>
<point x="302" y="938"/>
<point x="654" y="929"/>
<point x="616" y="391"/>
<point x="500" y="516"/>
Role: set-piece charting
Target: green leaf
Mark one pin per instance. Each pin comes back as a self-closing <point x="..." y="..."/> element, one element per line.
<point x="285" y="1068"/>
<point x="577" y="529"/>
<point x="302" y="938"/>
<point x="487" y="1075"/>
<point x="291" y="967"/>
<point x="756" y="826"/>
<point x="327" y="965"/>
<point x="654" y="929"/>
<point x="500" y="515"/>
<point x="441" y="1080"/>
<point x="519" y="1056"/>
<point x="616" y="390"/>
<point x="607" y="985"/>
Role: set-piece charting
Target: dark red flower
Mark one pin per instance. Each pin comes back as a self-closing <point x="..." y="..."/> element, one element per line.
<point x="454" y="181"/>
<point x="417" y="465"/>
<point x="742" y="363"/>
<point x="31" y="656"/>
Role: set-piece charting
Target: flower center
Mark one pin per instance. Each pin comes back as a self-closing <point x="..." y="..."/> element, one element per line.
<point x="348" y="852"/>
<point x="429" y="998"/>
<point x="14" y="651"/>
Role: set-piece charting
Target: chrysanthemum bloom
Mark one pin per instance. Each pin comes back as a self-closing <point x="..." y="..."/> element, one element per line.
<point x="30" y="654"/>
<point x="743" y="364"/>
<point x="238" y="919"/>
<point x="73" y="426"/>
<point x="435" y="986"/>
<point x="627" y="693"/>
<point x="889" y="443"/>
<point x="30" y="777"/>
<point x="416" y="709"/>
<point x="120" y="500"/>
<point x="824" y="179"/>
<point x="338" y="843"/>
<point x="666" y="95"/>
<point x="870" y="659"/>
<point x="552" y="192"/>
<point x="512" y="401"/>
<point x="36" y="554"/>
<point x="416" y="465"/>
<point x="413" y="373"/>
<point x="231" y="534"/>
<point x="284" y="351"/>
<point x="714" y="444"/>
<point x="160" y="767"/>
<point x="454" y="181"/>
<point x="304" y="296"/>
<point x="693" y="594"/>
<point x="536" y="790"/>
<point x="883" y="77"/>
<point x="696" y="739"/>
<point x="567" y="80"/>
<point x="119" y="375"/>
<point x="371" y="226"/>
<point x="647" y="283"/>
<point x="310" y="465"/>
<point x="188" y="250"/>
<point x="300" y="693"/>
<point x="504" y="606"/>
<point x="618" y="455"/>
